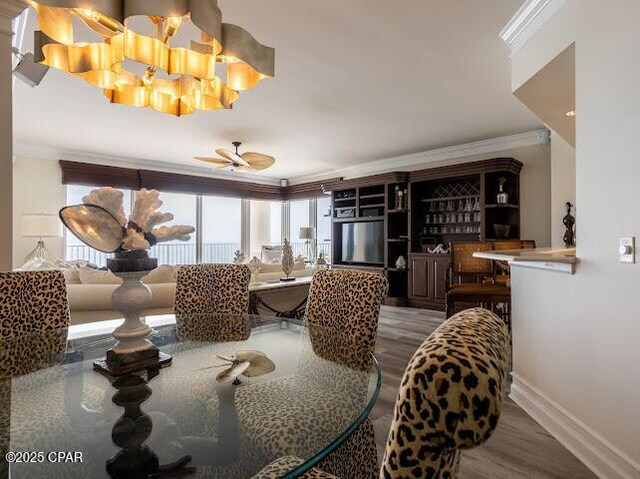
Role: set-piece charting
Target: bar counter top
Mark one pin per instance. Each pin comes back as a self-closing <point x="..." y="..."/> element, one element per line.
<point x="553" y="259"/>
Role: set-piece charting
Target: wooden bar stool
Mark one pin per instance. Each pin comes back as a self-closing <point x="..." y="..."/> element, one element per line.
<point x="472" y="280"/>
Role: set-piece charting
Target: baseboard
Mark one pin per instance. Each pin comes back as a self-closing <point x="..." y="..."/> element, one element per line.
<point x="604" y="459"/>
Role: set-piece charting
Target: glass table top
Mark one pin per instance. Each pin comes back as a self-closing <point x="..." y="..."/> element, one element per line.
<point x="61" y="418"/>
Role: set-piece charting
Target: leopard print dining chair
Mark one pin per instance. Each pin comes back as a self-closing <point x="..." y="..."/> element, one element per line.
<point x="450" y="398"/>
<point x="342" y="318"/>
<point x="32" y="301"/>
<point x="219" y="289"/>
<point x="348" y="301"/>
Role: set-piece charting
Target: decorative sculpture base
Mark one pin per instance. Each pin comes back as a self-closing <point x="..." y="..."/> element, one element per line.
<point x="133" y="351"/>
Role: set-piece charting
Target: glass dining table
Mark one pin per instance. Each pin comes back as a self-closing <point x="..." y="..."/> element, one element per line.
<point x="60" y="418"/>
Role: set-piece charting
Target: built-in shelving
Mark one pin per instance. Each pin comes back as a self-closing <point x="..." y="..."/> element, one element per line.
<point x="466" y="195"/>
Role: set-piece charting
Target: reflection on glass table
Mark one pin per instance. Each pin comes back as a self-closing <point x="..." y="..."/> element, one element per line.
<point x="180" y="421"/>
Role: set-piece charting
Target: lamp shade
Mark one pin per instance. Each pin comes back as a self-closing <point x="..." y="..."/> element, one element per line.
<point x="307" y="232"/>
<point x="41" y="226"/>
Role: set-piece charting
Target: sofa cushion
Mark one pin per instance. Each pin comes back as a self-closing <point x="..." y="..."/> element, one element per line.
<point x="72" y="275"/>
<point x="97" y="297"/>
<point x="162" y="274"/>
<point x="98" y="276"/>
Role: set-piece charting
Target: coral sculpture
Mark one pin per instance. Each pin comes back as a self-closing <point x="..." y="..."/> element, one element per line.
<point x="103" y="211"/>
<point x="287" y="258"/>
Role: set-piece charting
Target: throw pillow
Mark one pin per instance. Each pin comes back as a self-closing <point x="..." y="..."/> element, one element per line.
<point x="95" y="276"/>
<point x="162" y="274"/>
<point x="270" y="267"/>
<point x="72" y="275"/>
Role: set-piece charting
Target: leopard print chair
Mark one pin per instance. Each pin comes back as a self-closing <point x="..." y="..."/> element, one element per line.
<point x="348" y="301"/>
<point x="32" y="301"/>
<point x="342" y="319"/>
<point x="450" y="399"/>
<point x="34" y="315"/>
<point x="212" y="288"/>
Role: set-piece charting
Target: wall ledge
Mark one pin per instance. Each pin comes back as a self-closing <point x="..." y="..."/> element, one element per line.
<point x="599" y="455"/>
<point x="528" y="21"/>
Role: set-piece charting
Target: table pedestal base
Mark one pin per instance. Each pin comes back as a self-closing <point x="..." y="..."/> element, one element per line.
<point x="115" y="365"/>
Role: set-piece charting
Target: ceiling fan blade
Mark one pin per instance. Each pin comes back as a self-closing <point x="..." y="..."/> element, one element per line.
<point x="258" y="161"/>
<point x="231" y="156"/>
<point x="218" y="162"/>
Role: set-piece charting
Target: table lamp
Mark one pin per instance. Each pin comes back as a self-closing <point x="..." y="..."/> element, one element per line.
<point x="41" y="226"/>
<point x="307" y="233"/>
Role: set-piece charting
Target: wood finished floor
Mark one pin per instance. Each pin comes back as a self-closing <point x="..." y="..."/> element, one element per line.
<point x="518" y="448"/>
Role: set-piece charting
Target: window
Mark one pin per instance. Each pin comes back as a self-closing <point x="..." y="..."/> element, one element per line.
<point x="299" y="218"/>
<point x="76" y="249"/>
<point x="266" y="225"/>
<point x="323" y="227"/>
<point x="221" y="228"/>
<point x="183" y="208"/>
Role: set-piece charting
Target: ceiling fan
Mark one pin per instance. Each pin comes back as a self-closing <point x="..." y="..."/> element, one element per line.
<point x="248" y="161"/>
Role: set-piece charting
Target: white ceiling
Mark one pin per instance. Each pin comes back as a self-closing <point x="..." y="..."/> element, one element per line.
<point x="356" y="81"/>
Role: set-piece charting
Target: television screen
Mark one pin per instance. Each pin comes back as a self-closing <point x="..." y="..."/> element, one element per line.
<point x="363" y="242"/>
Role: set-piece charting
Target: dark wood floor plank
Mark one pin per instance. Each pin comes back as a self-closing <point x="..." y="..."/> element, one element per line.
<point x="520" y="448"/>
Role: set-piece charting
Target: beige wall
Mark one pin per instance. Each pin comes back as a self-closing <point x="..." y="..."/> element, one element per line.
<point x="563" y="185"/>
<point x="37" y="188"/>
<point x="575" y="338"/>
<point x="535" y="187"/>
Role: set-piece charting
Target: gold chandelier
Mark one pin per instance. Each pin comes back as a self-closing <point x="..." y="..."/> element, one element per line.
<point x="174" y="80"/>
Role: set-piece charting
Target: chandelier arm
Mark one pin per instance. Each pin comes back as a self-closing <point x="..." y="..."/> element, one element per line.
<point x="111" y="8"/>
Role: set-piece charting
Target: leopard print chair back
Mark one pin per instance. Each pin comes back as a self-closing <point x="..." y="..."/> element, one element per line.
<point x="32" y="301"/>
<point x="450" y="397"/>
<point x="347" y="301"/>
<point x="212" y="289"/>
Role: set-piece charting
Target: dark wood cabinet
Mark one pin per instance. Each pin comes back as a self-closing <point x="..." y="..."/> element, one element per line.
<point x="466" y="202"/>
<point x="427" y="280"/>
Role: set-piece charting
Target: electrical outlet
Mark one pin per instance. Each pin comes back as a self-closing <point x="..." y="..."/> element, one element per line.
<point x="627" y="250"/>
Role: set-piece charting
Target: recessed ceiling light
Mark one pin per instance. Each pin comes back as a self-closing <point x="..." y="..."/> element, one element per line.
<point x="571" y="113"/>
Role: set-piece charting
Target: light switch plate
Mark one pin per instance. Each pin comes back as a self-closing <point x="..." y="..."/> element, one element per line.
<point x="627" y="250"/>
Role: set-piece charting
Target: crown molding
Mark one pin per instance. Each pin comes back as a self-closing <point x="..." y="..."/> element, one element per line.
<point x="10" y="9"/>
<point x="399" y="163"/>
<point x="27" y="151"/>
<point x="528" y="21"/>
<point x="407" y="162"/>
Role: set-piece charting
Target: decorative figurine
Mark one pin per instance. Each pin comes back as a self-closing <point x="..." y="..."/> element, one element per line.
<point x="398" y="201"/>
<point x="100" y="222"/>
<point x="401" y="263"/>
<point x="569" y="221"/>
<point x="439" y="249"/>
<point x="503" y="196"/>
<point x="254" y="267"/>
<point x="238" y="257"/>
<point x="287" y="261"/>
<point x="321" y="262"/>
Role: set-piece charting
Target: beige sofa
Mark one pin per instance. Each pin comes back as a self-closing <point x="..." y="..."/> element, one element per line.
<point x="90" y="294"/>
